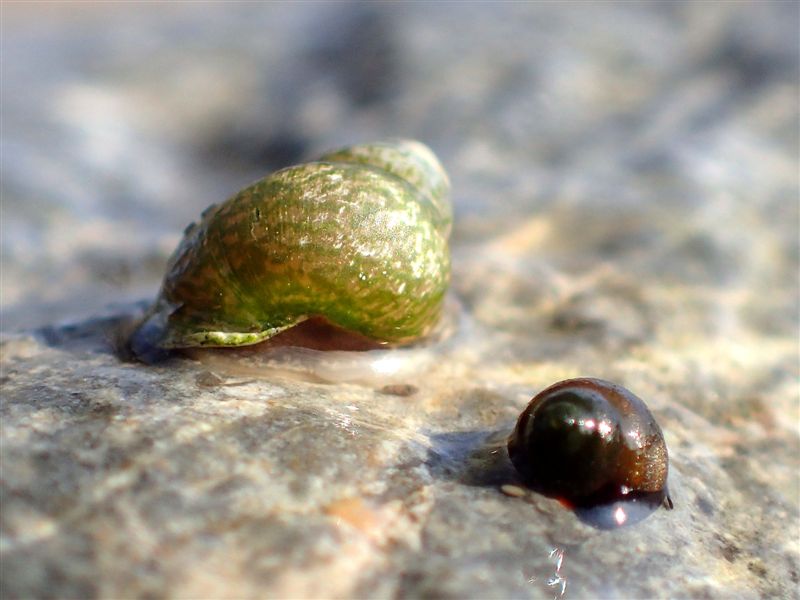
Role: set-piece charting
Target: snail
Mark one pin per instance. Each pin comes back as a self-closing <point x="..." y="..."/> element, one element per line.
<point x="356" y="241"/>
<point x="595" y="446"/>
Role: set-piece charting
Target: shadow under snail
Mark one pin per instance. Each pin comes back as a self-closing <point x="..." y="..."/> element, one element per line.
<point x="596" y="447"/>
<point x="355" y="244"/>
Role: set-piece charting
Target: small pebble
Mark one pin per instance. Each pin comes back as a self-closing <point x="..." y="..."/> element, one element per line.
<point x="399" y="389"/>
<point x="209" y="379"/>
<point x="512" y="490"/>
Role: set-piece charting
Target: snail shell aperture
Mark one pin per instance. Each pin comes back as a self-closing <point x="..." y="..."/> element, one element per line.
<point x="358" y="238"/>
<point x="595" y="446"/>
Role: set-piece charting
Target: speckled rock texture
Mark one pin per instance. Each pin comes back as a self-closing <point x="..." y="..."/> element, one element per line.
<point x="625" y="180"/>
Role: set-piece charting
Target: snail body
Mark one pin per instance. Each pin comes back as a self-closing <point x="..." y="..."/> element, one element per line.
<point x="317" y="353"/>
<point x="595" y="446"/>
<point x="358" y="238"/>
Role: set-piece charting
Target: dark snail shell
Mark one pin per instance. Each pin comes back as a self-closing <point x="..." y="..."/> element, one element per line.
<point x="595" y="446"/>
<point x="358" y="239"/>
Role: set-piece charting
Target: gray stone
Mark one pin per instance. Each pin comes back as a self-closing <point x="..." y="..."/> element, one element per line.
<point x="626" y="190"/>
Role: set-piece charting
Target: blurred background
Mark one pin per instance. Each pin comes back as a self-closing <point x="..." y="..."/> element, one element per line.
<point x="122" y="122"/>
<point x="625" y="183"/>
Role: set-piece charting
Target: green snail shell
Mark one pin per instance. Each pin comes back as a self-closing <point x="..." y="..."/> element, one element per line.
<point x="359" y="237"/>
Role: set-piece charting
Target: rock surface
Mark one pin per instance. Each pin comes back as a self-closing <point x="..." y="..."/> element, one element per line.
<point x="626" y="191"/>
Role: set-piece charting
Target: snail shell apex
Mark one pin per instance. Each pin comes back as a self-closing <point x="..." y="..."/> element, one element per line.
<point x="359" y="237"/>
<point x="411" y="161"/>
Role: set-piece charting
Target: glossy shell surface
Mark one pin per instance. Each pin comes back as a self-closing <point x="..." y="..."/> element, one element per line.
<point x="592" y="444"/>
<point x="359" y="238"/>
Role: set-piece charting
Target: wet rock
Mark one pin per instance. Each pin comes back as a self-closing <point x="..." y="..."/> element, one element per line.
<point x="626" y="193"/>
